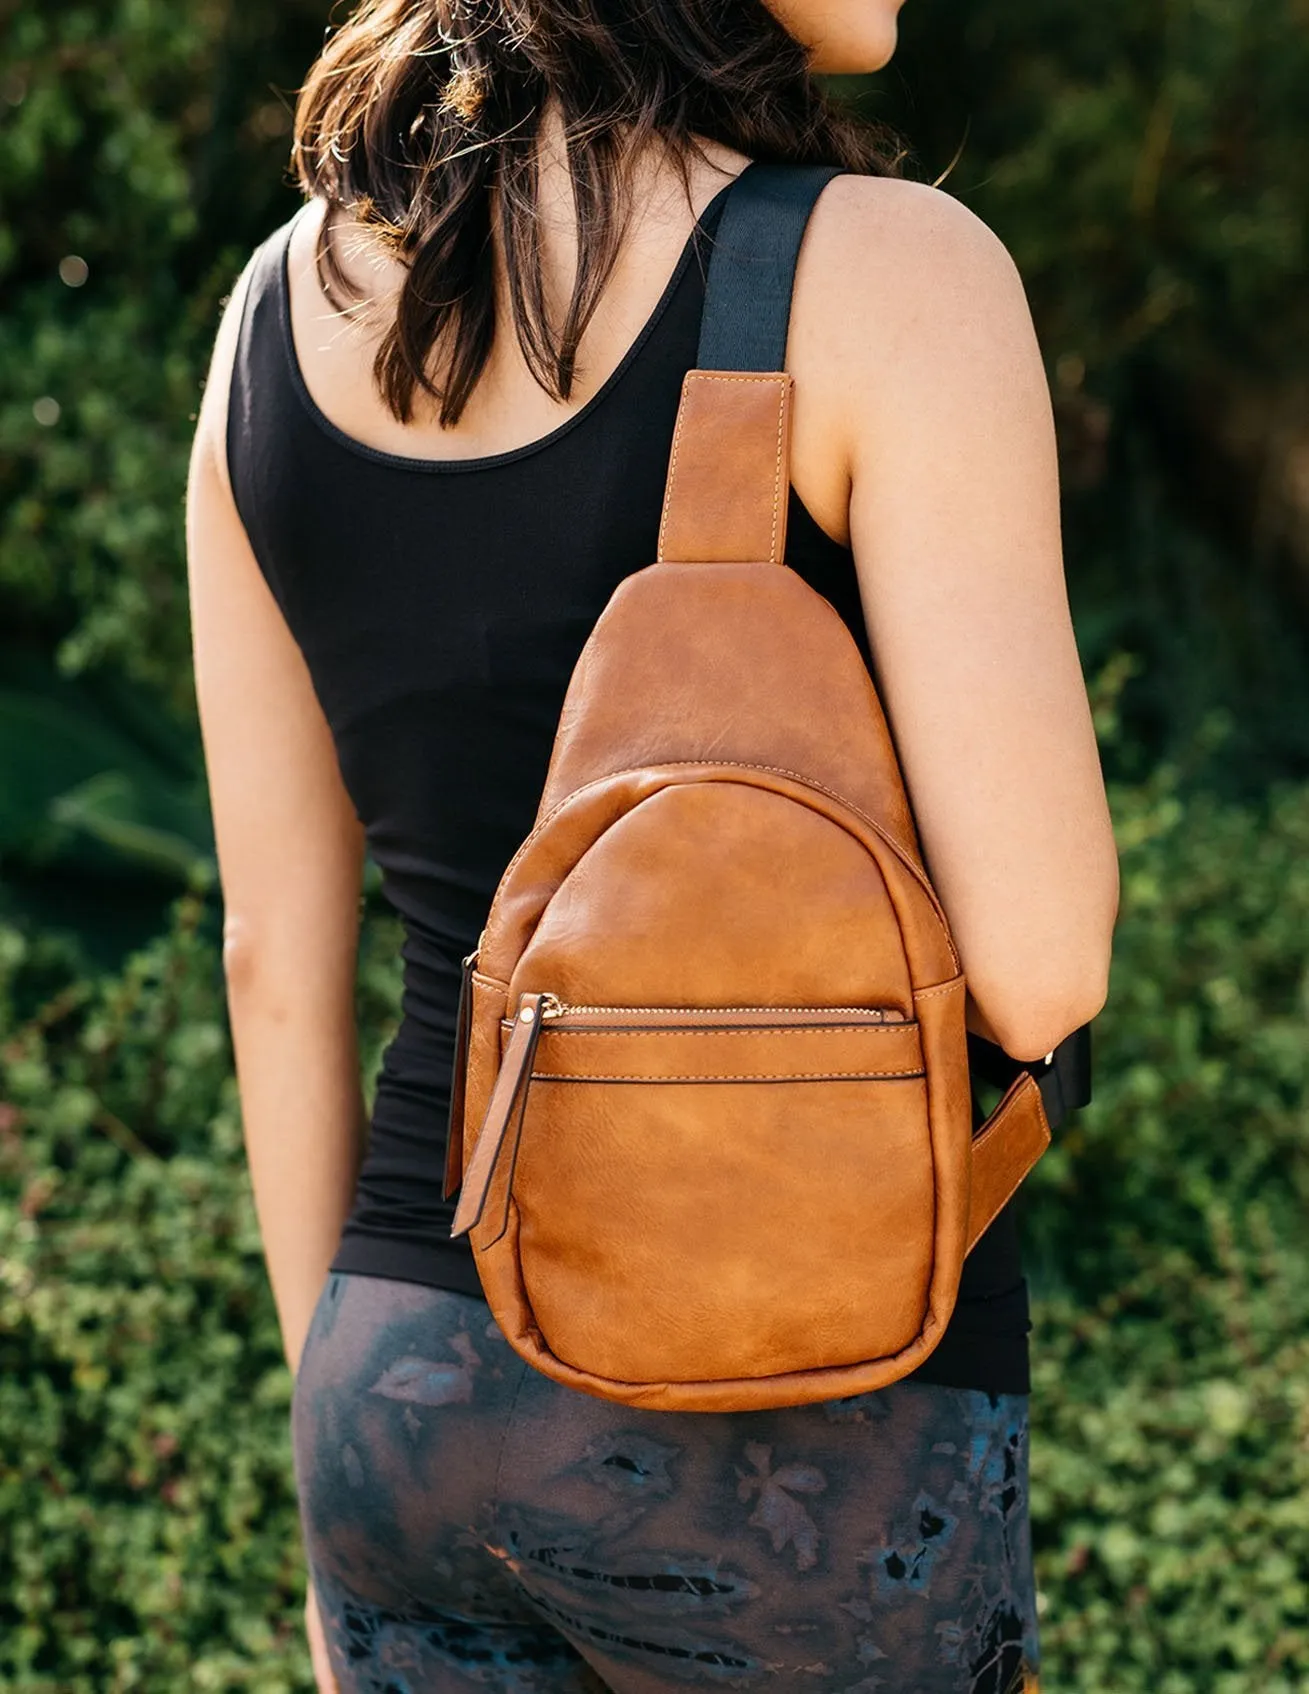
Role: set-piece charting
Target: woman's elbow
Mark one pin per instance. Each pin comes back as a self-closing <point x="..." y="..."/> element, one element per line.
<point x="289" y="959"/>
<point x="1030" y="1016"/>
<point x="257" y="959"/>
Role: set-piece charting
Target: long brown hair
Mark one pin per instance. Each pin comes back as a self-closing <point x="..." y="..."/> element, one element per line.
<point x="421" y="119"/>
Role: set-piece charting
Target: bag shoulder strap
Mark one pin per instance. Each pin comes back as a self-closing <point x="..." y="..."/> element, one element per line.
<point x="725" y="501"/>
<point x="751" y="273"/>
<point x="728" y="475"/>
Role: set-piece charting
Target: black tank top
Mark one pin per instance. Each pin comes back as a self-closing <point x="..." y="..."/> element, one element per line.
<point x="440" y="606"/>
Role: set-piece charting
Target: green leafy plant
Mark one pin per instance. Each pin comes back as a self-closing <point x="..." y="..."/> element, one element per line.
<point x="141" y="154"/>
<point x="150" y="1536"/>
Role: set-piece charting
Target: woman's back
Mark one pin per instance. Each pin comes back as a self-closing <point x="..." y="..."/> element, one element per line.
<point x="440" y="605"/>
<point x="429" y="503"/>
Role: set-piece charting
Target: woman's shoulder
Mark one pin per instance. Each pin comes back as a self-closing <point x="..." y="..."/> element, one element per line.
<point x="907" y="307"/>
<point x="898" y="272"/>
<point x="903" y="236"/>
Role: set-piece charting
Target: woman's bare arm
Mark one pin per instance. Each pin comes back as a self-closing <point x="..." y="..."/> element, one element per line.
<point x="923" y="339"/>
<point x="290" y="856"/>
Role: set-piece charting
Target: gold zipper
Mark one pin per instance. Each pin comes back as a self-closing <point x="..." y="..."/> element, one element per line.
<point x="553" y="1007"/>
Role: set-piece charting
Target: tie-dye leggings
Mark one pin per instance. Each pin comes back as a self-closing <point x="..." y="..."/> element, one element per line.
<point x="471" y="1525"/>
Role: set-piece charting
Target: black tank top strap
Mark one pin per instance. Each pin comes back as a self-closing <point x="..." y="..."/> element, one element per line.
<point x="262" y="387"/>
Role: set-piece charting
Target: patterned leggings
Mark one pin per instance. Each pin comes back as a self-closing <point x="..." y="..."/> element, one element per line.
<point x="471" y="1525"/>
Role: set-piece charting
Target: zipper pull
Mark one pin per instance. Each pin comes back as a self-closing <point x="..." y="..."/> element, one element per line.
<point x="505" y="1109"/>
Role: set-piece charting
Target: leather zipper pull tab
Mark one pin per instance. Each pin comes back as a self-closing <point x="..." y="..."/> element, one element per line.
<point x="454" y="1134"/>
<point x="506" y="1107"/>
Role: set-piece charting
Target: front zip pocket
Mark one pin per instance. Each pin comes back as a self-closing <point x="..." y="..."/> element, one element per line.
<point x="674" y="1044"/>
<point x="684" y="1181"/>
<point x="703" y="1044"/>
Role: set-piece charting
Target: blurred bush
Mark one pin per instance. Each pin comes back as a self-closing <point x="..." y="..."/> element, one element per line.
<point x="149" y="1538"/>
<point x="1148" y="169"/>
<point x="1171" y="1405"/>
<point x="142" y="154"/>
<point x="145" y="1483"/>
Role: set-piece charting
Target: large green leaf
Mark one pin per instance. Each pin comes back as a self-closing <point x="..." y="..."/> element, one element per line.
<point x="76" y="790"/>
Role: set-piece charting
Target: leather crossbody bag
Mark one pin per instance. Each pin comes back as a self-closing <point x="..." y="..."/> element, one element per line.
<point x="712" y="1113"/>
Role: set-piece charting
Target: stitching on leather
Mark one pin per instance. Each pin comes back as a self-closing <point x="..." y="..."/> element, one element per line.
<point x="773" y="549"/>
<point x="750" y="765"/>
<point x="915" y="870"/>
<point x="735" y="764"/>
<point x="753" y="1076"/>
<point x="943" y="988"/>
<point x="705" y="376"/>
<point x="1006" y="1111"/>
<point x="819" y="788"/>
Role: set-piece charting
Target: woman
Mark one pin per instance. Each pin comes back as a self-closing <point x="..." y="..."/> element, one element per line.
<point x="433" y="441"/>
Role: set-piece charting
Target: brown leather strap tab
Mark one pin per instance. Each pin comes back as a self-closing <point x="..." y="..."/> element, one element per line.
<point x="728" y="474"/>
<point x="1004" y="1150"/>
<point x="506" y="1106"/>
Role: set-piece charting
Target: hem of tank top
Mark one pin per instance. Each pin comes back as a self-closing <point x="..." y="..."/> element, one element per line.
<point x="976" y="1362"/>
<point x="1001" y="1317"/>
<point x="486" y="461"/>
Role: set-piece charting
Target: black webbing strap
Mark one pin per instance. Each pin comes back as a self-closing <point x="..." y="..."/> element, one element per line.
<point x="747" y="310"/>
<point x="752" y="266"/>
<point x="1065" y="1082"/>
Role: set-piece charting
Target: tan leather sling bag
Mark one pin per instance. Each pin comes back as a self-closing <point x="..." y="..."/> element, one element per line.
<point x="712" y="1109"/>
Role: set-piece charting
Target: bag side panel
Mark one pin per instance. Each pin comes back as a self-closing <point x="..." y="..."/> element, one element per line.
<point x="940" y="1012"/>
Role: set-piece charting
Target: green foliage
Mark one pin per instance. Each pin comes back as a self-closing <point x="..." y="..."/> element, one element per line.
<point x="1172" y="1366"/>
<point x="144" y="1480"/>
<point x="74" y="776"/>
<point x="142" y="150"/>
<point x="144" y="1468"/>
<point x="141" y="138"/>
<point x="149" y="1533"/>
<point x="1146" y="165"/>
